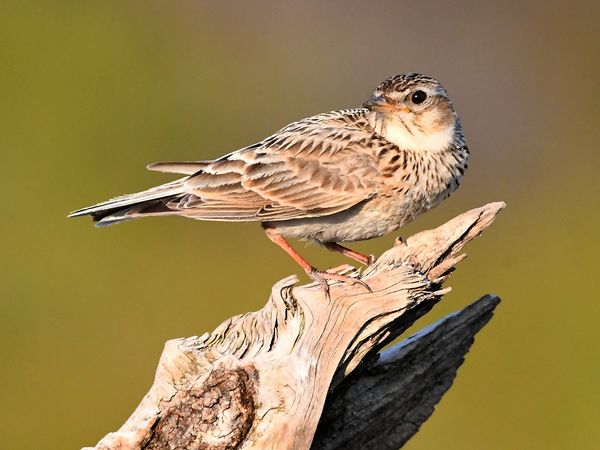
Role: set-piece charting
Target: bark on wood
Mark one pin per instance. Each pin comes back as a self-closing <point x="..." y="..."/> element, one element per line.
<point x="267" y="379"/>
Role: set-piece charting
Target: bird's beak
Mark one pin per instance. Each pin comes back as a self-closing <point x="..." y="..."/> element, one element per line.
<point x="380" y="104"/>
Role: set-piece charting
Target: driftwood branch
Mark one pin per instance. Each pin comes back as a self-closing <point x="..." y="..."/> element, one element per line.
<point x="305" y="369"/>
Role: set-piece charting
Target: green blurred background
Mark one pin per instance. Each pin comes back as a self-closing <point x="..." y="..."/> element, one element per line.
<point x="93" y="91"/>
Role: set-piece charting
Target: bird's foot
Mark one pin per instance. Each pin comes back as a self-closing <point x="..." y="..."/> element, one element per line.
<point x="322" y="277"/>
<point x="343" y="269"/>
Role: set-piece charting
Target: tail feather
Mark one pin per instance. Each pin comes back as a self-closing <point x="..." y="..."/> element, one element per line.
<point x="149" y="208"/>
<point x="126" y="207"/>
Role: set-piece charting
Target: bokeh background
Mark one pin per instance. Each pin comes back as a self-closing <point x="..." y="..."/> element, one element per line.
<point x="93" y="91"/>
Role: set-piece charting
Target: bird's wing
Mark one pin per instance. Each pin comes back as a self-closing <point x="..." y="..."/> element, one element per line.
<point x="183" y="167"/>
<point x="315" y="167"/>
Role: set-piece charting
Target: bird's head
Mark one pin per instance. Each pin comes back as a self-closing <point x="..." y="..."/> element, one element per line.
<point x="414" y="111"/>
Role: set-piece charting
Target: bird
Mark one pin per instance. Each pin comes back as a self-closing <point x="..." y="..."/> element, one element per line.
<point x="340" y="176"/>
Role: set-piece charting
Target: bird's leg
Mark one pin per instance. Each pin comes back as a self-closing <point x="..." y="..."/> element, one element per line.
<point x="367" y="260"/>
<point x="315" y="274"/>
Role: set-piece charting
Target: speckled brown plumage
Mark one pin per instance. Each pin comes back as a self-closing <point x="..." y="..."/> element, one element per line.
<point x="344" y="175"/>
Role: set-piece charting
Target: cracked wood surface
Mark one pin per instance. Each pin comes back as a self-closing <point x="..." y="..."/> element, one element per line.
<point x="262" y="379"/>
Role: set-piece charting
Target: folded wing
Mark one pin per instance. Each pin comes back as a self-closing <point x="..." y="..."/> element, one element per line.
<point x="306" y="170"/>
<point x="315" y="167"/>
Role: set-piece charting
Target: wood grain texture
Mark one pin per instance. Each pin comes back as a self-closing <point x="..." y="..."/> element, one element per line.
<point x="263" y="379"/>
<point x="383" y="405"/>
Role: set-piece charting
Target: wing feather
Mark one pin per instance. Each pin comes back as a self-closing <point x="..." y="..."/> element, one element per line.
<point x="318" y="166"/>
<point x="315" y="167"/>
<point x="182" y="167"/>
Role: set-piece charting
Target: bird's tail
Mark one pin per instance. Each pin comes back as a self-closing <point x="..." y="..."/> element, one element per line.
<point x="126" y="207"/>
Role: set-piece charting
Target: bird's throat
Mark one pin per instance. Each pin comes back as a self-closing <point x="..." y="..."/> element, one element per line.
<point x="407" y="135"/>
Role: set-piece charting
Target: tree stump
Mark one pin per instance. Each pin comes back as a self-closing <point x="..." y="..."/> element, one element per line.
<point x="305" y="371"/>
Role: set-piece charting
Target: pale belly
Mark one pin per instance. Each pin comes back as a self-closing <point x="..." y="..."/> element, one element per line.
<point x="374" y="218"/>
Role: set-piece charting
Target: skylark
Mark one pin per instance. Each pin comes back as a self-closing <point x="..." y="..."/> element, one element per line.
<point x="340" y="176"/>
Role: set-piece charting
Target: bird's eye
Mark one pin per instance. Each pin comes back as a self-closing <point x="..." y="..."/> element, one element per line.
<point x="418" y="97"/>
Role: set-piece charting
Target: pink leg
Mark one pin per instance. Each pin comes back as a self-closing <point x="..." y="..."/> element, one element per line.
<point x="316" y="275"/>
<point x="357" y="256"/>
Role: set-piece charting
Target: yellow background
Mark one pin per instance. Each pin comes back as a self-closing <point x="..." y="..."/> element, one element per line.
<point x="90" y="92"/>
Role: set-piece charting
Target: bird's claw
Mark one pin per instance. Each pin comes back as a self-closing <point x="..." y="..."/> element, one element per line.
<point x="322" y="277"/>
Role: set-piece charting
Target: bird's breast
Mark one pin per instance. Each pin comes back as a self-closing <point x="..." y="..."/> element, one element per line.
<point x="416" y="181"/>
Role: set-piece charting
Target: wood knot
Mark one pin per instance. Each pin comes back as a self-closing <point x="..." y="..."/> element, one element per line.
<point x="216" y="415"/>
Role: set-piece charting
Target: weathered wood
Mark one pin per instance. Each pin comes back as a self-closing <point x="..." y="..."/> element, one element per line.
<point x="384" y="404"/>
<point x="261" y="379"/>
